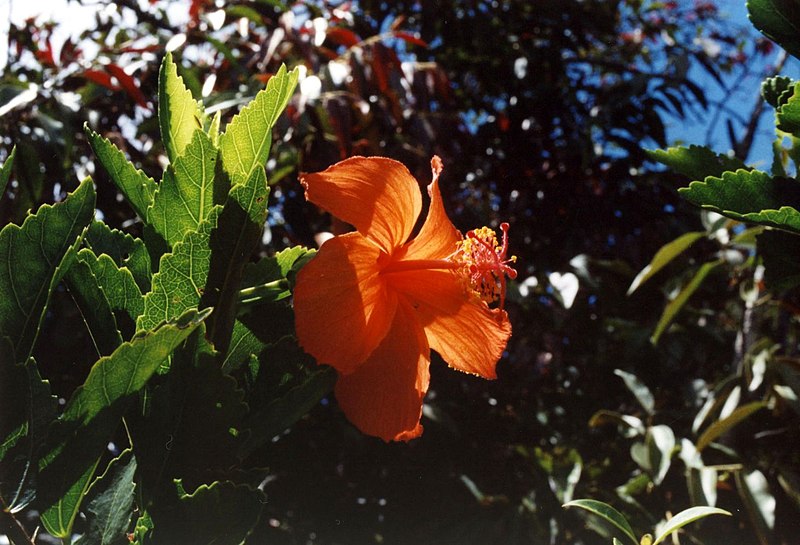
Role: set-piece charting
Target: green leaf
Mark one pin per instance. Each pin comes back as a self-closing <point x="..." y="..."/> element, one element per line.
<point x="125" y="250"/>
<point x="288" y="408"/>
<point x="664" y="256"/>
<point x="93" y="414"/>
<point x="685" y="517"/>
<point x="777" y="90"/>
<point x="751" y="196"/>
<point x="33" y="259"/>
<point x="787" y="115"/>
<point x="5" y="170"/>
<point x="123" y="295"/>
<point x="185" y="196"/>
<point x="28" y="409"/>
<point x="244" y="343"/>
<point x="222" y="513"/>
<point x="248" y="137"/>
<point x="269" y="269"/>
<point x="179" y="114"/>
<point x="608" y="513"/>
<point x="696" y="162"/>
<point x="639" y="389"/>
<point x="110" y="506"/>
<point x="180" y="282"/>
<point x="197" y="410"/>
<point x="759" y="501"/>
<point x="237" y="235"/>
<point x="719" y="427"/>
<point x="674" y="306"/>
<point x="137" y="187"/>
<point x="778" y="20"/>
<point x="93" y="304"/>
<point x="779" y="251"/>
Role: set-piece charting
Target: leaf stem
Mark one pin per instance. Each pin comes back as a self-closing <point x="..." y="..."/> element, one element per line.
<point x="271" y="291"/>
<point x="10" y="526"/>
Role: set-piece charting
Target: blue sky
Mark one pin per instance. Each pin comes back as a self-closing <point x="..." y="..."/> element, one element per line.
<point x="742" y="100"/>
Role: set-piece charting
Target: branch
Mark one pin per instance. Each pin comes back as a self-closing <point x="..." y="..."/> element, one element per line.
<point x="12" y="528"/>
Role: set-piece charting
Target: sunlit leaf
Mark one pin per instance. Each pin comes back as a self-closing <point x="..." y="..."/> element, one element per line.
<point x="248" y="137"/>
<point x="719" y="427"/>
<point x="180" y="282"/>
<point x="685" y="517"/>
<point x="639" y="389"/>
<point x="674" y="306"/>
<point x="124" y="249"/>
<point x="608" y="513"/>
<point x="751" y="196"/>
<point x="179" y="114"/>
<point x="5" y="170"/>
<point x="33" y="259"/>
<point x="185" y="196"/>
<point x="759" y="502"/>
<point x="664" y="256"/>
<point x="93" y="414"/>
<point x="137" y="187"/>
<point x="696" y="162"/>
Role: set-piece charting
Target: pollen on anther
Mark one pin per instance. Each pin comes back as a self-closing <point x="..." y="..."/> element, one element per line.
<point x="487" y="263"/>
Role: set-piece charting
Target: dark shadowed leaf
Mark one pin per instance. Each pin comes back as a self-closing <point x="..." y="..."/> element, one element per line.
<point x="110" y="503"/>
<point x="93" y="414"/>
<point x="33" y="259"/>
<point x="696" y="162"/>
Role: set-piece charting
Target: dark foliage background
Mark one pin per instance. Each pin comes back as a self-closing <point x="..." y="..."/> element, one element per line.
<point x="541" y="112"/>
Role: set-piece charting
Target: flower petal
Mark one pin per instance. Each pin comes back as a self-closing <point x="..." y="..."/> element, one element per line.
<point x="438" y="237"/>
<point x="459" y="326"/>
<point x="342" y="307"/>
<point x="378" y="196"/>
<point x="384" y="396"/>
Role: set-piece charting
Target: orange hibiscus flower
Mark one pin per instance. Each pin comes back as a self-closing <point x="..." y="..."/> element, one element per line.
<point x="374" y="302"/>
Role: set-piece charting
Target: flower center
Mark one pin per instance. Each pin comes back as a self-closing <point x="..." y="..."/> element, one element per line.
<point x="487" y="262"/>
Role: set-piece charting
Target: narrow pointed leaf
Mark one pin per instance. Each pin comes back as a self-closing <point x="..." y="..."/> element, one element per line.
<point x="110" y="506"/>
<point x="179" y="114"/>
<point x="180" y="282"/>
<point x="719" y="427"/>
<point x="664" y="256"/>
<point x="639" y="389"/>
<point x="5" y="170"/>
<point x="248" y="137"/>
<point x="33" y="259"/>
<point x="685" y="517"/>
<point x="137" y="187"/>
<point x="608" y="513"/>
<point x="93" y="414"/>
<point x="185" y="196"/>
<point x="674" y="306"/>
<point x="751" y="196"/>
<point x="759" y="501"/>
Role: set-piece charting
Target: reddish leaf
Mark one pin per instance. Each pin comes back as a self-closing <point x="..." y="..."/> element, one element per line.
<point x="410" y="38"/>
<point x="343" y="36"/>
<point x="128" y="83"/>
<point x="100" y="78"/>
